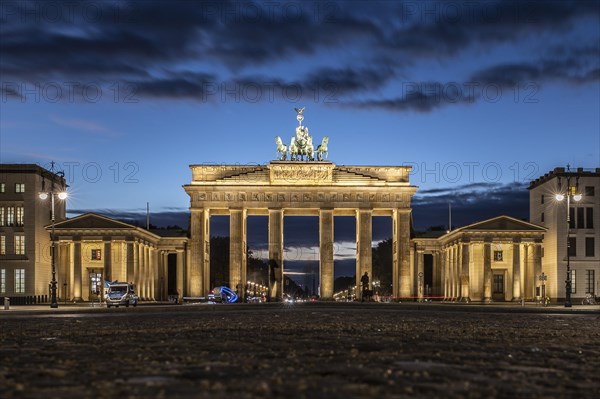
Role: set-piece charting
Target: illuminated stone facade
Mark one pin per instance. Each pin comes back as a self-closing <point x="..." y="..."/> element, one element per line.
<point x="298" y="188"/>
<point x="92" y="249"/>
<point x="499" y="259"/>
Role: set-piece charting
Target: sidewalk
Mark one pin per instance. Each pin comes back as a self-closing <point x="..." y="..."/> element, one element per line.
<point x="144" y="307"/>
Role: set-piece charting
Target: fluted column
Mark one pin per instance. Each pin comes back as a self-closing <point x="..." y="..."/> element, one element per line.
<point x="155" y="268"/>
<point x="516" y="272"/>
<point x="529" y="279"/>
<point x="401" y="253"/>
<point x="326" y="252"/>
<point x="487" y="271"/>
<point x="130" y="261"/>
<point x="537" y="264"/>
<point x="436" y="286"/>
<point x="77" y="272"/>
<point x="452" y="277"/>
<point x="420" y="274"/>
<point x="364" y="237"/>
<point x="464" y="274"/>
<point x="198" y="273"/>
<point x="107" y="261"/>
<point x="237" y="251"/>
<point x="180" y="270"/>
<point x="444" y="274"/>
<point x="276" y="254"/>
<point x="136" y="267"/>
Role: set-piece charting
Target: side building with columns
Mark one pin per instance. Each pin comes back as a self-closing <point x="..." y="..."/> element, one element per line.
<point x="92" y="249"/>
<point x="498" y="259"/>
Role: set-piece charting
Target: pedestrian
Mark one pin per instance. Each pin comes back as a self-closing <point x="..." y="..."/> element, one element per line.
<point x="365" y="286"/>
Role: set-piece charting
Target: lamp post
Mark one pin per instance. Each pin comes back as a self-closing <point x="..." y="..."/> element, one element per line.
<point x="62" y="195"/>
<point x="571" y="193"/>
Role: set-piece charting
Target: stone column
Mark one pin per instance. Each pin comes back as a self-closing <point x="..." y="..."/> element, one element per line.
<point x="528" y="284"/>
<point x="154" y="267"/>
<point x="136" y="267"/>
<point x="198" y="273"/>
<point x="464" y="274"/>
<point x="107" y="260"/>
<point x="444" y="274"/>
<point x="149" y="273"/>
<point x="63" y="270"/>
<point x="487" y="271"/>
<point x="401" y="253"/>
<point x="451" y="277"/>
<point x="326" y="252"/>
<point x="237" y="251"/>
<point x="180" y="266"/>
<point x="130" y="261"/>
<point x="537" y="265"/>
<point x="436" y="286"/>
<point x="364" y="237"/>
<point x="276" y="254"/>
<point x="139" y="282"/>
<point x="77" y="272"/>
<point x="516" y="271"/>
<point x="420" y="272"/>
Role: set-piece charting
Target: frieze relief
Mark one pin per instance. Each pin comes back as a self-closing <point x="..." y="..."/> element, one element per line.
<point x="318" y="197"/>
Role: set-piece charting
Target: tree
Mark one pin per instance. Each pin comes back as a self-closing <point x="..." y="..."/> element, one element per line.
<point x="382" y="266"/>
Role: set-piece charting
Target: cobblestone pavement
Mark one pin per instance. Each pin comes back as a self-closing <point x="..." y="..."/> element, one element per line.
<point x="299" y="351"/>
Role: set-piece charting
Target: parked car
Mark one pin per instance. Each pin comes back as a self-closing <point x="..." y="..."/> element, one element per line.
<point x="121" y="294"/>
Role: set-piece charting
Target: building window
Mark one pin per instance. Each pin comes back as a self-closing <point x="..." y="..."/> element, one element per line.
<point x="20" y="281"/>
<point x="573" y="285"/>
<point x="590" y="278"/>
<point x="572" y="246"/>
<point x="497" y="256"/>
<point x="580" y="216"/>
<point x="542" y="199"/>
<point x="19" y="245"/>
<point x="19" y="187"/>
<point x="2" y="187"/>
<point x="571" y="218"/>
<point x="96" y="254"/>
<point x="20" y="212"/>
<point x="589" y="246"/>
<point x="542" y="217"/>
<point x="1" y="216"/>
<point x="2" y="245"/>
<point x="3" y="280"/>
<point x="589" y="191"/>
<point x="589" y="218"/>
<point x="10" y="216"/>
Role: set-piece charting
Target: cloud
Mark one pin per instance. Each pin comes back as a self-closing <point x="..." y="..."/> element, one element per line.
<point x="420" y="97"/>
<point x="187" y="50"/>
<point x="81" y="125"/>
<point x="570" y="70"/>
<point x="471" y="203"/>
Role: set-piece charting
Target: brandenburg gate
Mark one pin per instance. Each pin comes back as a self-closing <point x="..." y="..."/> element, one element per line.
<point x="300" y="186"/>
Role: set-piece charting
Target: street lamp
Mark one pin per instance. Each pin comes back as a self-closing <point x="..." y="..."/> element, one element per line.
<point x="571" y="193"/>
<point x="62" y="195"/>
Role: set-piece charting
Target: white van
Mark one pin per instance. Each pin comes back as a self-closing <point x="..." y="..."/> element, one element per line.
<point x="121" y="294"/>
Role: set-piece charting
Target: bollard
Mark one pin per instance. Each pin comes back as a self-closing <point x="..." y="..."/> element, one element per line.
<point x="6" y="303"/>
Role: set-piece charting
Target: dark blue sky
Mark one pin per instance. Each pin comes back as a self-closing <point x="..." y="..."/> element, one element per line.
<point x="479" y="97"/>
